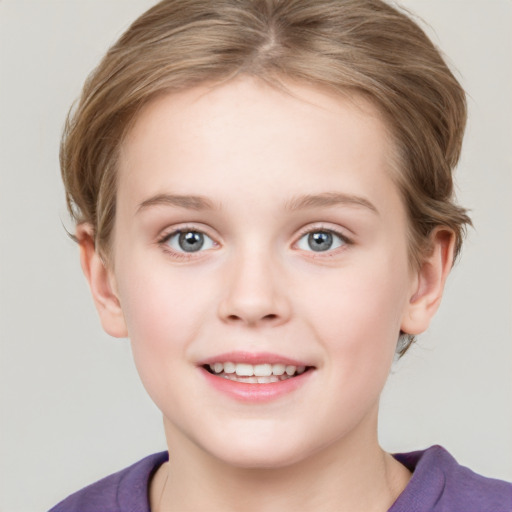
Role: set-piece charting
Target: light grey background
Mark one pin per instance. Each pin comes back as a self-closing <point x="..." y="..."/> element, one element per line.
<point x="72" y="408"/>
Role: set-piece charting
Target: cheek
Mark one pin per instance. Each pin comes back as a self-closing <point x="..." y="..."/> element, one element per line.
<point x="163" y="303"/>
<point x="164" y="313"/>
<point x="357" y="315"/>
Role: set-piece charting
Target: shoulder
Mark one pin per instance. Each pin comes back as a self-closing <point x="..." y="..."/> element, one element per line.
<point x="440" y="484"/>
<point x="122" y="491"/>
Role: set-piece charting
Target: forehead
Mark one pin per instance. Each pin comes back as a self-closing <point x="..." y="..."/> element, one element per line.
<point x="230" y="141"/>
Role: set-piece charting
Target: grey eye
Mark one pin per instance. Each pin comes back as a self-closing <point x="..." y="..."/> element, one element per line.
<point x="320" y="241"/>
<point x="190" y="241"/>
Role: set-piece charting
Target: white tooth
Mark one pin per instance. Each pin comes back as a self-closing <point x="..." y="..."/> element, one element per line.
<point x="218" y="367"/>
<point x="212" y="367"/>
<point x="244" y="370"/>
<point x="229" y="368"/>
<point x="278" y="369"/>
<point x="263" y="370"/>
<point x="274" y="378"/>
<point x="251" y="380"/>
<point x="301" y="369"/>
<point x="290" y="369"/>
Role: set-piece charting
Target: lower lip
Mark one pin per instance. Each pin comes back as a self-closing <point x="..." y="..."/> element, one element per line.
<point x="256" y="392"/>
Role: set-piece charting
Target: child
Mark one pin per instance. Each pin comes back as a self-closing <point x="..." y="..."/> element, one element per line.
<point x="264" y="205"/>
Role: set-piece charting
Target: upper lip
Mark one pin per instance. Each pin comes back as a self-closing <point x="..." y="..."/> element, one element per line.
<point x="252" y="358"/>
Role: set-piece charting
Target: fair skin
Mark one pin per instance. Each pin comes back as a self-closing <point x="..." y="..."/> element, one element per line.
<point x="304" y="261"/>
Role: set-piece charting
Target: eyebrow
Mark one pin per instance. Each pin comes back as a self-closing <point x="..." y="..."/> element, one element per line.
<point x="200" y="203"/>
<point x="182" y="201"/>
<point x="329" y="199"/>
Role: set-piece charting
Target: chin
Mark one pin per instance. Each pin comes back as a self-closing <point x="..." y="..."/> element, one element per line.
<point x="255" y="450"/>
<point x="261" y="459"/>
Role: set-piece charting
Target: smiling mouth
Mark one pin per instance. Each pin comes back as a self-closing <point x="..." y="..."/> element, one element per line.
<point x="265" y="373"/>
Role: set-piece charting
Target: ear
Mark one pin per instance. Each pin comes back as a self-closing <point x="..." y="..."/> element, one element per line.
<point x="101" y="282"/>
<point x="429" y="282"/>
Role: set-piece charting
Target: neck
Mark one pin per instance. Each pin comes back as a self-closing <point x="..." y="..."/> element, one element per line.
<point x="355" y="474"/>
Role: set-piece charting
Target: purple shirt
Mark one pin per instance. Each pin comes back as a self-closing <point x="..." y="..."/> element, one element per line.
<point x="438" y="484"/>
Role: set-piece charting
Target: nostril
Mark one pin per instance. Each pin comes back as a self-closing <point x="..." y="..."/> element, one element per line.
<point x="269" y="317"/>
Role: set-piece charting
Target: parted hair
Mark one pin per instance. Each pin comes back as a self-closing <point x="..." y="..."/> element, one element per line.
<point x="360" y="47"/>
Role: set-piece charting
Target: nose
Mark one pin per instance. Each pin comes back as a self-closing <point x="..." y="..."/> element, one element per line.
<point x="255" y="292"/>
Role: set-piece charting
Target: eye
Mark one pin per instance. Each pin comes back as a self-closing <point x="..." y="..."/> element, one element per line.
<point x="188" y="241"/>
<point x="321" y="241"/>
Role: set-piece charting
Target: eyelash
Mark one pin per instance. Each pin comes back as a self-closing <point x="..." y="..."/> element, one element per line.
<point x="324" y="229"/>
<point x="177" y="255"/>
<point x="184" y="256"/>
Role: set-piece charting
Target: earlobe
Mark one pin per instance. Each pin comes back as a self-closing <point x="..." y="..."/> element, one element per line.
<point x="101" y="283"/>
<point x="429" y="284"/>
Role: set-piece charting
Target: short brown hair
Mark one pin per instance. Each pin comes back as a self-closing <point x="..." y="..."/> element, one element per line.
<point x="350" y="46"/>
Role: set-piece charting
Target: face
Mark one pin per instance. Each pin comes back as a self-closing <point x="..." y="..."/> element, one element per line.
<point x="260" y="232"/>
